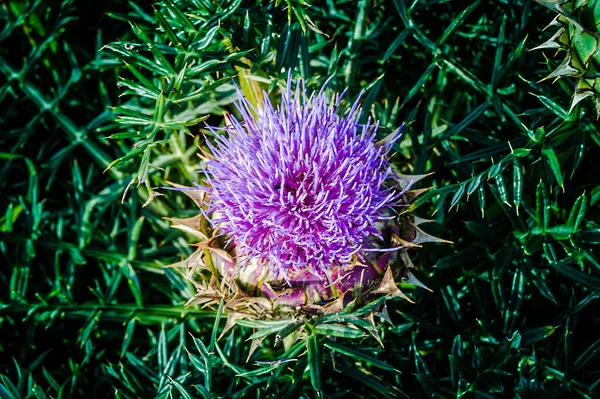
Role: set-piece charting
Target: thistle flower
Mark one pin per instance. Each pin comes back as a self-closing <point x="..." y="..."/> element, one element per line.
<point x="305" y="208"/>
<point x="299" y="187"/>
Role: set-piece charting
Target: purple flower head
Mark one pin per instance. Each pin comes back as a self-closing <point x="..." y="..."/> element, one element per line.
<point x="298" y="186"/>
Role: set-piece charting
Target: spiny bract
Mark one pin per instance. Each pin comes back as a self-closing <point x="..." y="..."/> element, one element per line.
<point x="300" y="207"/>
<point x="578" y="33"/>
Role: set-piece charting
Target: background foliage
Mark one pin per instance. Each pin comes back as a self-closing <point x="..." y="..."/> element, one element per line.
<point x="86" y="307"/>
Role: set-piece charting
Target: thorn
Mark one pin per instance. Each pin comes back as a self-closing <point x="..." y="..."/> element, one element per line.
<point x="126" y="188"/>
<point x="422" y="237"/>
<point x="418" y="221"/>
<point x="153" y="194"/>
<point x="413" y="280"/>
<point x="253" y="346"/>
<point x="388" y="287"/>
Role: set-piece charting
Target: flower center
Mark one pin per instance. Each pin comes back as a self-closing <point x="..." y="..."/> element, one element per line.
<point x="298" y="192"/>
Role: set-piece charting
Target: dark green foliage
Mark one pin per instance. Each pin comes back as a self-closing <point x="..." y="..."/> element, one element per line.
<point x="86" y="307"/>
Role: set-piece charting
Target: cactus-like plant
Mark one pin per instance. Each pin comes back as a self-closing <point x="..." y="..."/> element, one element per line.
<point x="578" y="35"/>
